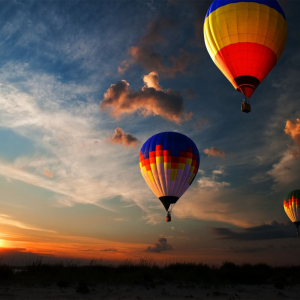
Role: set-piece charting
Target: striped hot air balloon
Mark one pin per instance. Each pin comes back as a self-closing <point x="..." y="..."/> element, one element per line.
<point x="169" y="162"/>
<point x="245" y="39"/>
<point x="291" y="205"/>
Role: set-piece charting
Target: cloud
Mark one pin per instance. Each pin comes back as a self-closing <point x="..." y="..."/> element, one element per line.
<point x="250" y="249"/>
<point x="274" y="230"/>
<point x="155" y="29"/>
<point x="220" y="171"/>
<point x="201" y="123"/>
<point x="292" y="128"/>
<point x="109" y="250"/>
<point x="260" y="177"/>
<point x="199" y="8"/>
<point x="145" y="55"/>
<point x="213" y="199"/>
<point x="21" y="256"/>
<point x="123" y="67"/>
<point x="189" y="93"/>
<point x="51" y="116"/>
<point x="213" y="151"/>
<point x="48" y="174"/>
<point x="152" y="81"/>
<point x="168" y="104"/>
<point x="123" y="138"/>
<point x="290" y="246"/>
<point x="285" y="173"/>
<point x="211" y="183"/>
<point x="5" y="219"/>
<point x="161" y="246"/>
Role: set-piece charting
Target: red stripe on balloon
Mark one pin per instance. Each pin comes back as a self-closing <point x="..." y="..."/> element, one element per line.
<point x="246" y="59"/>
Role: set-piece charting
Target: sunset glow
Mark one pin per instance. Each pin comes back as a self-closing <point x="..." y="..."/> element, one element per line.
<point x="84" y="85"/>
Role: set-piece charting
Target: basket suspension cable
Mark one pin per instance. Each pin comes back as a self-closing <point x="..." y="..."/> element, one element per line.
<point x="171" y="206"/>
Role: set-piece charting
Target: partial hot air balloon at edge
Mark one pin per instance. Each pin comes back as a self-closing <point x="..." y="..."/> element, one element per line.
<point x="245" y="39"/>
<point x="169" y="162"/>
<point x="291" y="205"/>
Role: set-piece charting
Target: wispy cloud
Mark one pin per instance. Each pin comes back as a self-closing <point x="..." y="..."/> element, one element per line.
<point x="5" y="219"/>
<point x="63" y="129"/>
<point x="48" y="174"/>
<point x="201" y="123"/>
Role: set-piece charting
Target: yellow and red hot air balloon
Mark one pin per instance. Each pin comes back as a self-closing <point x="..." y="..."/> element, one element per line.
<point x="291" y="205"/>
<point x="245" y="39"/>
<point x="169" y="162"/>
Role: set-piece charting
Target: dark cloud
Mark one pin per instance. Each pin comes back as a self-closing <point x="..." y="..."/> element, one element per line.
<point x="201" y="123"/>
<point x="109" y="250"/>
<point x="213" y="151"/>
<point x="250" y="249"/>
<point x="168" y="104"/>
<point x="200" y="9"/>
<point x="123" y="67"/>
<point x="123" y="138"/>
<point x="20" y="256"/>
<point x="290" y="246"/>
<point x="161" y="246"/>
<point x="271" y="231"/>
<point x="145" y="55"/>
<point x="151" y="60"/>
<point x="155" y="29"/>
<point x="189" y="93"/>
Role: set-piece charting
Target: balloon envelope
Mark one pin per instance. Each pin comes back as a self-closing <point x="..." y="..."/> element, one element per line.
<point x="291" y="204"/>
<point x="169" y="162"/>
<point x="245" y="39"/>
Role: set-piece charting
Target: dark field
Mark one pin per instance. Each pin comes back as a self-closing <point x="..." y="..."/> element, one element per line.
<point x="147" y="272"/>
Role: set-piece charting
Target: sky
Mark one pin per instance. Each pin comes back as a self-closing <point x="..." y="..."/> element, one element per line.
<point x="83" y="84"/>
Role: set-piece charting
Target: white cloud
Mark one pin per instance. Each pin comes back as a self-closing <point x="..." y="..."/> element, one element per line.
<point x="215" y="200"/>
<point x="220" y="171"/>
<point x="285" y="173"/>
<point x="211" y="183"/>
<point x="64" y="129"/>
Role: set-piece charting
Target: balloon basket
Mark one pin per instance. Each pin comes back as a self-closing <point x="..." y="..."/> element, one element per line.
<point x="246" y="108"/>
<point x="168" y="217"/>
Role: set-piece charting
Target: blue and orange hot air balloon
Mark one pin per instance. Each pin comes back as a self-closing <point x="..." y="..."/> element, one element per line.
<point x="245" y="39"/>
<point x="169" y="162"/>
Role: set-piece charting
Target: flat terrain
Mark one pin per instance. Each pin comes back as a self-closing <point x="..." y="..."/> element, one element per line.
<point x="146" y="280"/>
<point x="157" y="292"/>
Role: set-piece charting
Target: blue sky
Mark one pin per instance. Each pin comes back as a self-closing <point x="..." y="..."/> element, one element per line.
<point x="64" y="179"/>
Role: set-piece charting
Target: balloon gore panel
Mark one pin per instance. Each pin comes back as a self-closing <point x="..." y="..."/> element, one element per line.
<point x="291" y="204"/>
<point x="169" y="162"/>
<point x="245" y="39"/>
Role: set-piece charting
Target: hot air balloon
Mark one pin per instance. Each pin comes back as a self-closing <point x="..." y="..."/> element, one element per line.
<point x="291" y="204"/>
<point x="245" y="39"/>
<point x="169" y="162"/>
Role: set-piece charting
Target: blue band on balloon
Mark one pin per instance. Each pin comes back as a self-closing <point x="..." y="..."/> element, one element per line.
<point x="219" y="3"/>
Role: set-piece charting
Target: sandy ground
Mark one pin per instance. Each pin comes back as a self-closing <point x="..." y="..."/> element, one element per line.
<point x="178" y="291"/>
